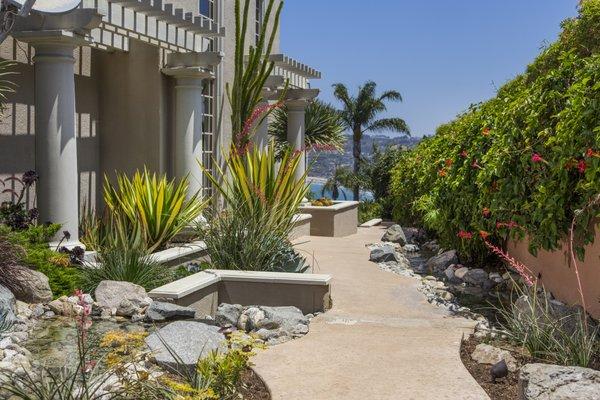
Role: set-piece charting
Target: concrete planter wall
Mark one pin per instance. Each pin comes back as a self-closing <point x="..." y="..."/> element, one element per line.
<point x="205" y="290"/>
<point x="338" y="220"/>
<point x="558" y="274"/>
<point x="302" y="224"/>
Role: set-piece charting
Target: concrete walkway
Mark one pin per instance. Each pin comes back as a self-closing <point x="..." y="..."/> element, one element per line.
<point x="381" y="340"/>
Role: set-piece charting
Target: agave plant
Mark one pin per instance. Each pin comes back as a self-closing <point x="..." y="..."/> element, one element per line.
<point x="324" y="127"/>
<point x="254" y="180"/>
<point x="149" y="210"/>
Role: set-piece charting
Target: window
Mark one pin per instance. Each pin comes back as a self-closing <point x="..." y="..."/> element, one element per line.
<point x="207" y="8"/>
<point x="207" y="133"/>
<point x="259" y="19"/>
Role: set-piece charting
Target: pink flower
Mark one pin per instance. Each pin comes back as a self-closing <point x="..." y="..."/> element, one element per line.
<point x="536" y="158"/>
<point x="516" y="265"/>
<point x="464" y="154"/>
<point x="509" y="225"/>
<point x="475" y="164"/>
<point x="464" y="234"/>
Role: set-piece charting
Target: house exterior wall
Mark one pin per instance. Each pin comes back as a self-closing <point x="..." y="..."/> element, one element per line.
<point x="17" y="130"/>
<point x="558" y="274"/>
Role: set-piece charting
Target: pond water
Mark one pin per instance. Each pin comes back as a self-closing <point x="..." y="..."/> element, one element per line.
<point x="53" y="342"/>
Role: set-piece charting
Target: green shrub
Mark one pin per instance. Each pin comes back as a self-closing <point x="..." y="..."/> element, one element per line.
<point x="62" y="276"/>
<point x="368" y="210"/>
<point x="252" y="232"/>
<point x="527" y="159"/>
<point x="128" y="265"/>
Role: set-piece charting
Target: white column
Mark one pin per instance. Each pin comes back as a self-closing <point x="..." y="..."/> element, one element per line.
<point x="261" y="136"/>
<point x="296" y="125"/>
<point x="55" y="140"/>
<point x="189" y="106"/>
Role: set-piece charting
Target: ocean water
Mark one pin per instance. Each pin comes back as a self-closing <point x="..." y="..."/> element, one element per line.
<point x="345" y="193"/>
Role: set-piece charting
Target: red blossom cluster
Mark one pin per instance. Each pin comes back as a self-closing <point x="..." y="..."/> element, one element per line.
<point x="242" y="142"/>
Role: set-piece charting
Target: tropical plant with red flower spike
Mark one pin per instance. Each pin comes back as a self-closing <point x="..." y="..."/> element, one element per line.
<point x="518" y="266"/>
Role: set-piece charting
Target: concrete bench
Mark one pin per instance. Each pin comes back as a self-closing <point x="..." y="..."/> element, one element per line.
<point x="371" y="223"/>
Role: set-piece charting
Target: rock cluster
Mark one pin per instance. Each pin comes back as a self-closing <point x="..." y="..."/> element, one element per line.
<point x="488" y="354"/>
<point x="273" y="325"/>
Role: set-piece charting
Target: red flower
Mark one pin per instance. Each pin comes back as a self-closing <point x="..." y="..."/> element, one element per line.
<point x="475" y="164"/>
<point x="486" y="132"/>
<point x="464" y="154"/>
<point x="486" y="212"/>
<point x="536" y="158"/>
<point x="449" y="162"/>
<point x="442" y="172"/>
<point x="484" y="234"/>
<point x="591" y="153"/>
<point x="581" y="166"/>
<point x="464" y="234"/>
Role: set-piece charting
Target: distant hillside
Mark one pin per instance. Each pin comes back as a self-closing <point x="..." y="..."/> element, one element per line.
<point x="324" y="163"/>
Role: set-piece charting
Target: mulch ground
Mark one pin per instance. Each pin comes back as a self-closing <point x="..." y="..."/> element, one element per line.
<point x="253" y="387"/>
<point x="503" y="389"/>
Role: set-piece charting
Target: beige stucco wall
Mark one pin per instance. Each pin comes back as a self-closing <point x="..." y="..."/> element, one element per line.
<point x="133" y="98"/>
<point x="558" y="274"/>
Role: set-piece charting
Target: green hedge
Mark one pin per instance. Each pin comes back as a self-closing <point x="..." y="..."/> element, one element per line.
<point x="530" y="156"/>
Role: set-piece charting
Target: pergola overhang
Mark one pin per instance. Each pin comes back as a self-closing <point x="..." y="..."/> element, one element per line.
<point x="151" y="21"/>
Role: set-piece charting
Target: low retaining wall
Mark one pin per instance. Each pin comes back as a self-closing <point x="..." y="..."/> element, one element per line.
<point x="205" y="290"/>
<point x="338" y="220"/>
<point x="302" y="224"/>
<point x="558" y="274"/>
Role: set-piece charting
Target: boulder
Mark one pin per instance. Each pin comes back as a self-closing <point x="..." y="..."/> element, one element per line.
<point x="190" y="341"/>
<point x="159" y="312"/>
<point x="460" y="273"/>
<point x="33" y="287"/>
<point x="228" y="314"/>
<point x="477" y="277"/>
<point x="127" y="298"/>
<point x="394" y="234"/>
<point x="250" y="318"/>
<point x="487" y="354"/>
<point x="438" y="264"/>
<point x="383" y="254"/>
<point x="555" y="382"/>
<point x="7" y="306"/>
<point x="289" y="319"/>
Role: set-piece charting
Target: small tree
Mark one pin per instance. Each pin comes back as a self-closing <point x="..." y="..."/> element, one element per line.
<point x="342" y="176"/>
<point x="359" y="115"/>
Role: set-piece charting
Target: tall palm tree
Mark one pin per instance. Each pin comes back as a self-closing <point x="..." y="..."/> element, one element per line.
<point x="359" y="115"/>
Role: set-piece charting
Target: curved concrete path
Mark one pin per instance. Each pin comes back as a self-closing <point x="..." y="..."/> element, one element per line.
<point x="381" y="340"/>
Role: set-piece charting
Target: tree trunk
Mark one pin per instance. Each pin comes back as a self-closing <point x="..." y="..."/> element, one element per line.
<point x="356" y="152"/>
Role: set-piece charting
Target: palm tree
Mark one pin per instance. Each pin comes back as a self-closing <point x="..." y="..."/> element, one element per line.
<point x="342" y="176"/>
<point x="359" y="115"/>
<point x="324" y="127"/>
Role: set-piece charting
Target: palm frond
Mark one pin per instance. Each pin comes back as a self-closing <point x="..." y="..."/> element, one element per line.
<point x="389" y="124"/>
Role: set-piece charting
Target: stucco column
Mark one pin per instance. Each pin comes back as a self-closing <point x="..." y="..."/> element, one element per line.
<point x="191" y="71"/>
<point x="54" y="37"/>
<point x="55" y="140"/>
<point x="261" y="136"/>
<point x="296" y="126"/>
<point x="187" y="139"/>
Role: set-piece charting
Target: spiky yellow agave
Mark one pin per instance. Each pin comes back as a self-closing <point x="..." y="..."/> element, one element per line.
<point x="150" y="210"/>
<point x="255" y="181"/>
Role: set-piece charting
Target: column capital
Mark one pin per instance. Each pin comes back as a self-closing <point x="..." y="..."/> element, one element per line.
<point x="68" y="29"/>
<point x="192" y="65"/>
<point x="298" y="99"/>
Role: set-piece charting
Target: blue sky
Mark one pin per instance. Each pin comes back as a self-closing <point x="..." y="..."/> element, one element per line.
<point x="442" y="55"/>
